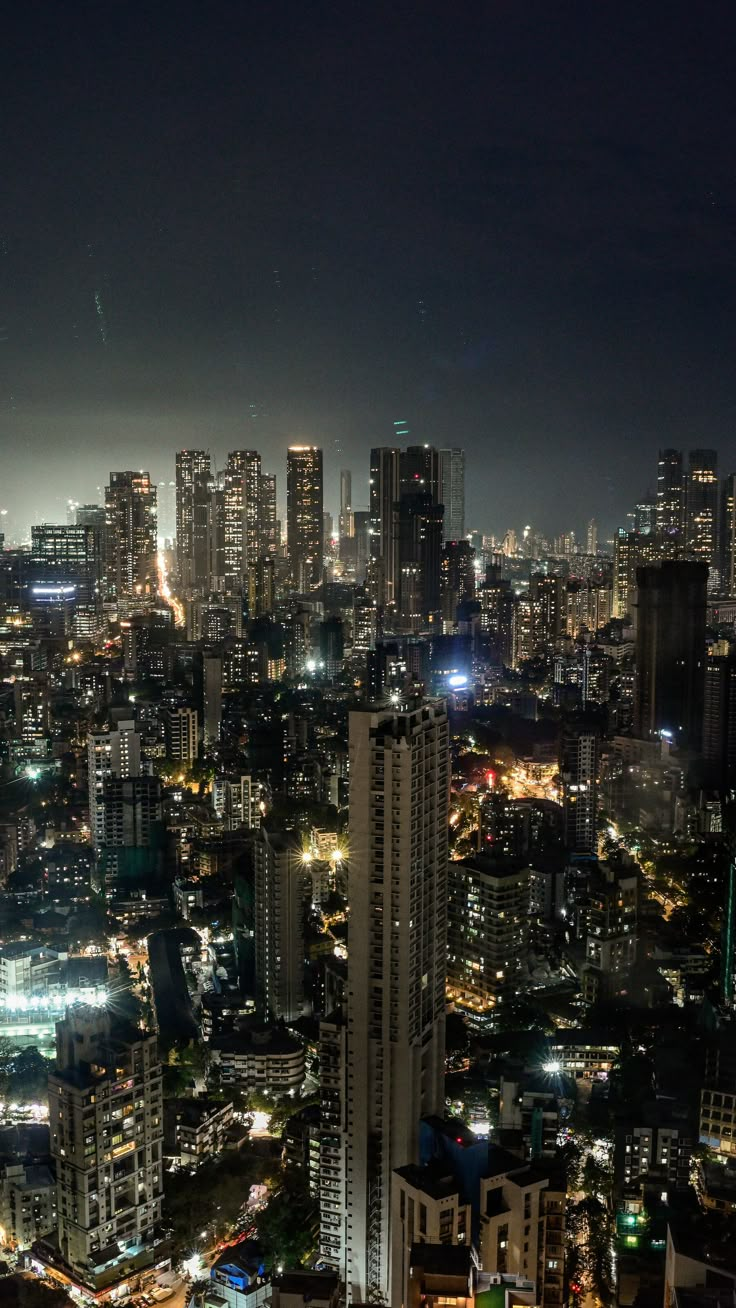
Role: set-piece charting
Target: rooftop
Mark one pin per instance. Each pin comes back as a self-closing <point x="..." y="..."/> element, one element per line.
<point x="442" y="1259"/>
<point x="434" y="1179"/>
<point x="261" y="1040"/>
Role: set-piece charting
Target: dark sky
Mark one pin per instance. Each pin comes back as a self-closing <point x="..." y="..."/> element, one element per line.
<point x="509" y="224"/>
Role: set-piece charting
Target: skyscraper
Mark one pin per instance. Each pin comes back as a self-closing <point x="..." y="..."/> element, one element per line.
<point x="70" y="556"/>
<point x="130" y="537"/>
<point x="670" y="497"/>
<point x="457" y="576"/>
<point x="384" y="546"/>
<point x="279" y="909"/>
<point x="419" y="472"/>
<point x="452" y="492"/>
<point x="304" y="515"/>
<point x="631" y="549"/>
<point x="270" y="536"/>
<point x="399" y="790"/>
<point x="115" y="753"/>
<point x="131" y="811"/>
<point x="193" y="497"/>
<point x="345" y="524"/>
<point x="701" y="506"/>
<point x="106" y="1122"/>
<point x="727" y="532"/>
<point x="546" y="598"/>
<point x="488" y="930"/>
<point x="719" y="720"/>
<point x="419" y="530"/>
<point x="242" y="515"/>
<point x="670" y="651"/>
<point x="579" y="773"/>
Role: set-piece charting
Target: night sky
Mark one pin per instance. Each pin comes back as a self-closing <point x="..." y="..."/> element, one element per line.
<point x="510" y="225"/>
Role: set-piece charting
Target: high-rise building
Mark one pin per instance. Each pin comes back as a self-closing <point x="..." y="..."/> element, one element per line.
<point x="32" y="710"/>
<point x="497" y="616"/>
<point x="670" y="497"/>
<point x="236" y="800"/>
<point x="591" y="539"/>
<point x="211" y="699"/>
<point x="701" y="506"/>
<point x="131" y="808"/>
<point x="727" y="532"/>
<point x="90" y="515"/>
<point x="579" y="773"/>
<point x="645" y="516"/>
<point x="397" y="878"/>
<point x="333" y="1107"/>
<point x="193" y="502"/>
<point x="586" y="605"/>
<point x="106" y="1122"/>
<point x="610" y="919"/>
<point x="130" y="538"/>
<point x="146" y="639"/>
<point x="216" y="534"/>
<point x="488" y="931"/>
<point x="346" y="503"/>
<point x="181" y="732"/>
<point x="384" y="545"/>
<point x="279" y="911"/>
<point x="516" y="1221"/>
<point x="304" y="520"/>
<point x="166" y="512"/>
<point x="631" y="549"/>
<point x="419" y="472"/>
<point x="115" y="753"/>
<point x="242" y="515"/>
<point x="546" y="598"/>
<point x="452" y="492"/>
<point x="719" y="719"/>
<point x="457" y="576"/>
<point x="670" y="651"/>
<point x="68" y="559"/>
<point x="419" y="531"/>
<point x="332" y="646"/>
<point x="270" y="527"/>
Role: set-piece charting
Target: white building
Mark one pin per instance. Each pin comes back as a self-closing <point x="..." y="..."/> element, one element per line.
<point x="236" y="799"/>
<point x="27" y="1203"/>
<point x="271" y="1060"/>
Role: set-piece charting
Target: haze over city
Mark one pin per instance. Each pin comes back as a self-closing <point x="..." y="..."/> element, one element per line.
<point x="509" y="226"/>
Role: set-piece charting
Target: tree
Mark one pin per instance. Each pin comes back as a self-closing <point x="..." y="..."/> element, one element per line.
<point x="222" y="1188"/>
<point x="287" y="1227"/>
<point x="28" y="1077"/>
<point x="24" y="1292"/>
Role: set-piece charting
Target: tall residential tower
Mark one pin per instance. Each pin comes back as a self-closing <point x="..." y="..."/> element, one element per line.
<point x="304" y="515"/>
<point x="399" y="789"/>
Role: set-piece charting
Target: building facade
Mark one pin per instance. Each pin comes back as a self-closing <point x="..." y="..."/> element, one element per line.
<point x="399" y="790"/>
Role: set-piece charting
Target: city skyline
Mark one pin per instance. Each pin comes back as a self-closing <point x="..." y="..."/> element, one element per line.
<point x="368" y="655"/>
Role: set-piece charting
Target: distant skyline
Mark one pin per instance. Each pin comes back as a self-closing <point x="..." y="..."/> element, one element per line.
<point x="243" y="225"/>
